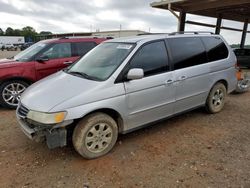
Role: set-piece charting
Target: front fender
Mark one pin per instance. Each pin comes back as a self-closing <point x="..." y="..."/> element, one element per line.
<point x="116" y="103"/>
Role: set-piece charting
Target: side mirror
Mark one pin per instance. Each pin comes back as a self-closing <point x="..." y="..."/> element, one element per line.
<point x="42" y="59"/>
<point x="135" y="74"/>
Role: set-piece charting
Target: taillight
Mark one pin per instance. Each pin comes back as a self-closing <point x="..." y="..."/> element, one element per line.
<point x="238" y="71"/>
<point x="239" y="75"/>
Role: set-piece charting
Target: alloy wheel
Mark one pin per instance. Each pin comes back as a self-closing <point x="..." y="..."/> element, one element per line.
<point x="99" y="137"/>
<point x="12" y="92"/>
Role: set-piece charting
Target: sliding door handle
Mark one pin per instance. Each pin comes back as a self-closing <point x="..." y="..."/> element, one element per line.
<point x="168" y="82"/>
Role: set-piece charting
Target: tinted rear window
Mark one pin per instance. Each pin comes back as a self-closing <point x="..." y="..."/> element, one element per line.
<point x="216" y="48"/>
<point x="187" y="52"/>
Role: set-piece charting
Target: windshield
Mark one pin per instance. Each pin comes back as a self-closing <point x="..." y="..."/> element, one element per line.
<point x="102" y="61"/>
<point x="30" y="52"/>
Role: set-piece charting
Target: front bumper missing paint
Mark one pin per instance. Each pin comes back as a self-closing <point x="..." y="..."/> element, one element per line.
<point x="55" y="135"/>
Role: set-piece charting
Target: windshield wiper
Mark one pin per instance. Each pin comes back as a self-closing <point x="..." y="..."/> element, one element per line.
<point x="83" y="75"/>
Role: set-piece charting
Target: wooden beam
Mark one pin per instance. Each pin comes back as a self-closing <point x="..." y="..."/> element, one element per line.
<point x="205" y="5"/>
<point x="228" y="16"/>
<point x="200" y="24"/>
<point x="214" y="26"/>
<point x="164" y="3"/>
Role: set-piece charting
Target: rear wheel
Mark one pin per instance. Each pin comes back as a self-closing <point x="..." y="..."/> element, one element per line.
<point x="11" y="92"/>
<point x="216" y="98"/>
<point x="95" y="135"/>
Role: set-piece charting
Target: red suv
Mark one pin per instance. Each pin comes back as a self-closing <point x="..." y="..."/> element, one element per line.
<point x="38" y="61"/>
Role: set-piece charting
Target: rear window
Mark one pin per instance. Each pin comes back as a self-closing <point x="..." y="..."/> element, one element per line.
<point x="187" y="52"/>
<point x="216" y="48"/>
<point x="81" y="48"/>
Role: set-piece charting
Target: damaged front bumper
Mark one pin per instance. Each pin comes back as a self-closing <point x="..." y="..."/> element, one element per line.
<point x="55" y="135"/>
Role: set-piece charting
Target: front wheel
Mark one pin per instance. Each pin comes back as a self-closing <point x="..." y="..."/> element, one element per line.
<point x="95" y="135"/>
<point x="11" y="92"/>
<point x="216" y="98"/>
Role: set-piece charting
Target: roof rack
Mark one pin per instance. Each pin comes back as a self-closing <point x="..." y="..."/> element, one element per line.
<point x="73" y="37"/>
<point x="191" y="32"/>
<point x="140" y="34"/>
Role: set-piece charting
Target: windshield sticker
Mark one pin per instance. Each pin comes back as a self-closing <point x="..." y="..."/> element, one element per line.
<point x="124" y="46"/>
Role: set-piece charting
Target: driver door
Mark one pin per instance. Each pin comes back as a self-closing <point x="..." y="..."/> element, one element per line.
<point x="54" y="58"/>
<point x="152" y="97"/>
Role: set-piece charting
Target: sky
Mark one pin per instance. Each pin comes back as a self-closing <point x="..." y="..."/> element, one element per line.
<point x="60" y="16"/>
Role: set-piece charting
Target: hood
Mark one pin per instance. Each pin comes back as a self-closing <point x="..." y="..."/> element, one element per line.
<point x="55" y="89"/>
<point x="8" y="63"/>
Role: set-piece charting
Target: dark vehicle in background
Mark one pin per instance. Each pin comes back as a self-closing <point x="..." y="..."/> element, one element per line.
<point x="243" y="62"/>
<point x="243" y="57"/>
<point x="38" y="61"/>
<point x="26" y="45"/>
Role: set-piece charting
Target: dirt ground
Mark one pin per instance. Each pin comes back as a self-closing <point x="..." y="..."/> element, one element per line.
<point x="192" y="150"/>
<point x="6" y="54"/>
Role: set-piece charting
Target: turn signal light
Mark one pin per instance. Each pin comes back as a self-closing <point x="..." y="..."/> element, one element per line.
<point x="239" y="75"/>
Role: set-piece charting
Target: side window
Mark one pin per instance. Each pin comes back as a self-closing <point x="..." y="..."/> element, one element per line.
<point x="60" y="50"/>
<point x="187" y="52"/>
<point x="216" y="49"/>
<point x="152" y="58"/>
<point x="81" y="48"/>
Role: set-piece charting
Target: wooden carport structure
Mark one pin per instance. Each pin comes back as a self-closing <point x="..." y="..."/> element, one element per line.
<point x="235" y="10"/>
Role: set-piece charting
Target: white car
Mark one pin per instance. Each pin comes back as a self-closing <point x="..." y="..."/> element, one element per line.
<point x="9" y="47"/>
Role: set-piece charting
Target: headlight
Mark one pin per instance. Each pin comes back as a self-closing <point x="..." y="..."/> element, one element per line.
<point x="47" y="118"/>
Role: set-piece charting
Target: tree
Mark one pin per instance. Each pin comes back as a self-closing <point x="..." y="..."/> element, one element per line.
<point x="45" y="33"/>
<point x="9" y="31"/>
<point x="1" y="32"/>
<point x="29" y="33"/>
<point x="17" y="32"/>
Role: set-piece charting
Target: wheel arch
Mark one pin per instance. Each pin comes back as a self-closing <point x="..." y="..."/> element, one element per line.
<point x="27" y="80"/>
<point x="223" y="81"/>
<point x="112" y="113"/>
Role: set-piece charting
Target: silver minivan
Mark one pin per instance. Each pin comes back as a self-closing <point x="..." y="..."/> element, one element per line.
<point x="125" y="84"/>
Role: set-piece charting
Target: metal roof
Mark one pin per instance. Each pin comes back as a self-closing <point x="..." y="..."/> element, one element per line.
<point x="237" y="10"/>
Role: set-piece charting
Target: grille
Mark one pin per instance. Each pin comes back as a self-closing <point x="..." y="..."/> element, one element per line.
<point x="22" y="111"/>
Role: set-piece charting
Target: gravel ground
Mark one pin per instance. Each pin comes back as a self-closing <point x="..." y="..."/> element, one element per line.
<point x="191" y="150"/>
<point x="6" y="54"/>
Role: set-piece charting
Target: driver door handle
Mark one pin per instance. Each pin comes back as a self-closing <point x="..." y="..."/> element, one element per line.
<point x="67" y="62"/>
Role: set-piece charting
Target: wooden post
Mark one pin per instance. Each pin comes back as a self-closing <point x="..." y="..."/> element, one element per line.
<point x="218" y="25"/>
<point x="244" y="34"/>
<point x="182" y="20"/>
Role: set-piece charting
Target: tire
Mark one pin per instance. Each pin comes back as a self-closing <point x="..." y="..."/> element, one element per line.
<point x="216" y="98"/>
<point x="95" y="135"/>
<point x="10" y="92"/>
